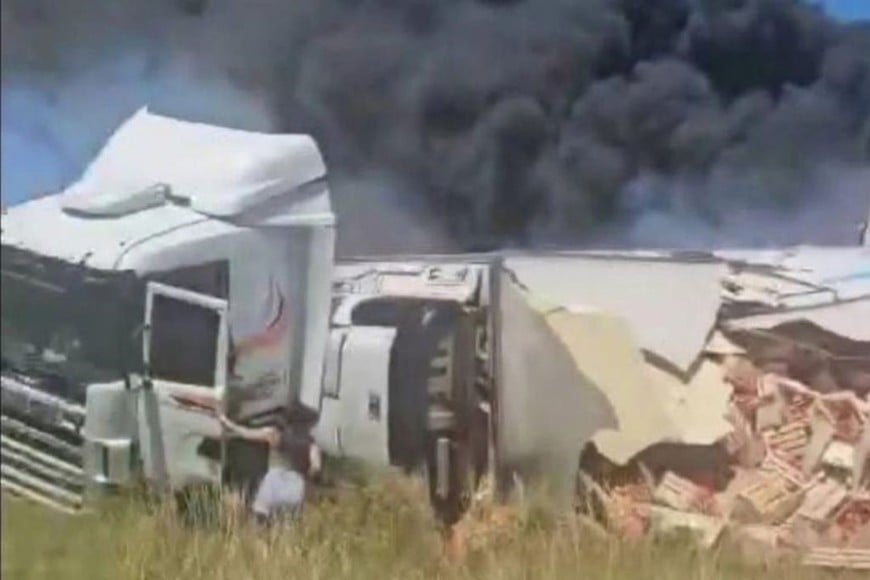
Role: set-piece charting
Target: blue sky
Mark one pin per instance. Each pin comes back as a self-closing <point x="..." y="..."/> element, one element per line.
<point x="849" y="9"/>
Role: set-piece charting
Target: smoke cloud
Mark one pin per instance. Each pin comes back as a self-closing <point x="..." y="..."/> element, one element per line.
<point x="480" y="124"/>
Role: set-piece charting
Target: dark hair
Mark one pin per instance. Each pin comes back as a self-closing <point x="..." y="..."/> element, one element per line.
<point x="299" y="415"/>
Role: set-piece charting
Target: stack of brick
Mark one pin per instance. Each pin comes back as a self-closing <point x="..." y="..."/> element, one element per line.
<point x="802" y="483"/>
<point x="810" y="487"/>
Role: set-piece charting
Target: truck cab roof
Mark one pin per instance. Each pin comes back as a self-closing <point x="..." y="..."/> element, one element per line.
<point x="158" y="174"/>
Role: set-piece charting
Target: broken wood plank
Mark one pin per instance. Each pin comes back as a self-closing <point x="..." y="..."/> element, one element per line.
<point x="823" y="430"/>
<point x="854" y="559"/>
<point x="822" y="501"/>
<point x="770" y="500"/>
<point x="706" y="529"/>
<point x="839" y="456"/>
<point x="772" y="406"/>
<point x="775" y="464"/>
<point x="789" y="440"/>
<point x="861" y="467"/>
<point x="677" y="492"/>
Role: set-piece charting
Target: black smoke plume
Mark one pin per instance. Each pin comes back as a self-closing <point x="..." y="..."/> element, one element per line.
<point x="486" y="123"/>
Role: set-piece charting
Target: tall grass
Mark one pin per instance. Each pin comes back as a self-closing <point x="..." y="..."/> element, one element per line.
<point x="379" y="531"/>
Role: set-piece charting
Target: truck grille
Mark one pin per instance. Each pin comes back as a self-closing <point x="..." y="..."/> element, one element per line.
<point x="40" y="446"/>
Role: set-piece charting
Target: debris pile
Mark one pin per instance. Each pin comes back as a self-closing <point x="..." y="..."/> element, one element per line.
<point x="722" y="393"/>
<point x="762" y="437"/>
<point x="799" y="479"/>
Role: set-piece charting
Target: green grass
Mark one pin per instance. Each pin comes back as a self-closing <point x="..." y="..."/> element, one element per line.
<point x="380" y="531"/>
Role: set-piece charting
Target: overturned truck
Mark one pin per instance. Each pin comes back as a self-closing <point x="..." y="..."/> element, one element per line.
<point x="151" y="291"/>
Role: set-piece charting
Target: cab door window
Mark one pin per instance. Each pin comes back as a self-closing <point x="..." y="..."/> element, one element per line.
<point x="183" y="335"/>
<point x="210" y="278"/>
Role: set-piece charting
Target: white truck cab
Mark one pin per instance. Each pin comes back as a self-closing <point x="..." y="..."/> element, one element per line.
<point x="190" y="267"/>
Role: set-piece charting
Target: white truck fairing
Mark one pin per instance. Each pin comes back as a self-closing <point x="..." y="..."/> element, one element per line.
<point x="223" y="172"/>
<point x="215" y="173"/>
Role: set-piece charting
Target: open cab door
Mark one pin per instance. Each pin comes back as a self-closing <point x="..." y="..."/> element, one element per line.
<point x="184" y="386"/>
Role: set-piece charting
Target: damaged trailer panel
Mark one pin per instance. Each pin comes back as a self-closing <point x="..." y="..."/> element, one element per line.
<point x="599" y="359"/>
<point x="650" y="293"/>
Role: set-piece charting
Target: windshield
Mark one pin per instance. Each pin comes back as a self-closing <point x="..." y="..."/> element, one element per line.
<point x="66" y="325"/>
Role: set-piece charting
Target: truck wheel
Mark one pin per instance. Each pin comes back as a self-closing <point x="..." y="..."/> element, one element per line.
<point x="447" y="457"/>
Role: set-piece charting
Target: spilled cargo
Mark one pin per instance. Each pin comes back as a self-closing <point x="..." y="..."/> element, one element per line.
<point x="746" y="376"/>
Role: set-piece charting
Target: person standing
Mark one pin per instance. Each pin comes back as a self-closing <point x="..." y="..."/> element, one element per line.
<point x="294" y="458"/>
